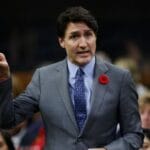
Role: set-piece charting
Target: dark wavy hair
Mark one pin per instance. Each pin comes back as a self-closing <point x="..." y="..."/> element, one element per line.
<point x="75" y="15"/>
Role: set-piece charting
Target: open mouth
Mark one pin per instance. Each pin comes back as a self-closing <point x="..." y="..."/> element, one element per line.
<point x="83" y="52"/>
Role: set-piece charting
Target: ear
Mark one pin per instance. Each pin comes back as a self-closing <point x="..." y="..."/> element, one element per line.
<point x="61" y="42"/>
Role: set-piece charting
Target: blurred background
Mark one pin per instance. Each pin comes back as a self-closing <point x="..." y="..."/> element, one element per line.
<point x="28" y="31"/>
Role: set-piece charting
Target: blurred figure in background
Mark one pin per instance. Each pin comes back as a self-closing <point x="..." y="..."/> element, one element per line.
<point x="17" y="133"/>
<point x="34" y="137"/>
<point x="132" y="66"/>
<point x="144" y="106"/>
<point x="133" y="50"/>
<point x="103" y="56"/>
<point x="20" y="79"/>
<point x="5" y="141"/>
<point x="146" y="144"/>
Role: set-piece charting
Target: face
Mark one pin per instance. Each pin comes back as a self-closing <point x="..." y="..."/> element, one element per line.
<point x="3" y="145"/>
<point x="145" y="116"/>
<point x="79" y="42"/>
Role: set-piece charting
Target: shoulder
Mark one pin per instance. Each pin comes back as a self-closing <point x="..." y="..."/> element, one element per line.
<point x="110" y="67"/>
<point x="116" y="69"/>
<point x="120" y="74"/>
<point x="53" y="66"/>
<point x="49" y="71"/>
<point x="115" y="73"/>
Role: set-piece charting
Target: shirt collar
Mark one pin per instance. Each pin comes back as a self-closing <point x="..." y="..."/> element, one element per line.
<point x="88" y="68"/>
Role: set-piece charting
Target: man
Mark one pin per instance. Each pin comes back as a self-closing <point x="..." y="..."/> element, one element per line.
<point x="81" y="99"/>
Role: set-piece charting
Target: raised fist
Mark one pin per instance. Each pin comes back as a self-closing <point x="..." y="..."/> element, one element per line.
<point x="4" y="68"/>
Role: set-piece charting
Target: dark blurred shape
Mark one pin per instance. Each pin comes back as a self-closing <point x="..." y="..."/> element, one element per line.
<point x="5" y="141"/>
<point x="20" y="80"/>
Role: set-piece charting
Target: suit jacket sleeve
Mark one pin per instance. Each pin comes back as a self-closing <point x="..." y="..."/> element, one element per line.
<point x="129" y="118"/>
<point x="14" y="111"/>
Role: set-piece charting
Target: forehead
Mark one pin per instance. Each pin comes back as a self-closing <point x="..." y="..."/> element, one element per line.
<point x="77" y="27"/>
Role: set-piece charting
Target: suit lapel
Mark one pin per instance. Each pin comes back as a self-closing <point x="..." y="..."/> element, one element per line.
<point x="99" y="89"/>
<point x="63" y="88"/>
<point x="98" y="93"/>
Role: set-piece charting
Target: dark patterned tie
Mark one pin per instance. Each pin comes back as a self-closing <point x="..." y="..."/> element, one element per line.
<point x="79" y="98"/>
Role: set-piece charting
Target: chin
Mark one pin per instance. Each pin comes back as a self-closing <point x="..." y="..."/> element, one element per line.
<point x="82" y="63"/>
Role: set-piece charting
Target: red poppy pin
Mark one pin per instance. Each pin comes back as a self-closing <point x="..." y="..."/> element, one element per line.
<point x="103" y="79"/>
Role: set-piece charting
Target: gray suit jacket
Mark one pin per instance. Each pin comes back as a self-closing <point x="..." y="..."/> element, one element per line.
<point x="48" y="92"/>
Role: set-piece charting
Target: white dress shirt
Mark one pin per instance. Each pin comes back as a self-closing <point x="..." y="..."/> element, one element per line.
<point x="88" y="80"/>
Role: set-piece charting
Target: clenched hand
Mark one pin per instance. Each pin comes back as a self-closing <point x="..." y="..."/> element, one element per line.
<point x="4" y="68"/>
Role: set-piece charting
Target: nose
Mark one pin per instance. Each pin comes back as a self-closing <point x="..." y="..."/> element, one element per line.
<point x="82" y="43"/>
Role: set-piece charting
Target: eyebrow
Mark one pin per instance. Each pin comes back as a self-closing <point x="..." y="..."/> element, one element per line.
<point x="75" y="32"/>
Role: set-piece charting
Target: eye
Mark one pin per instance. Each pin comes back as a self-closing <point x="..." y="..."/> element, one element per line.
<point x="73" y="36"/>
<point x="88" y="34"/>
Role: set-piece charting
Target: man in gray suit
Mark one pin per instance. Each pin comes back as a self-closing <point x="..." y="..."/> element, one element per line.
<point x="78" y="114"/>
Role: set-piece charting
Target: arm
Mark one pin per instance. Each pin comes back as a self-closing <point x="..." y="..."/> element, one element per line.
<point x="15" y="111"/>
<point x="129" y="118"/>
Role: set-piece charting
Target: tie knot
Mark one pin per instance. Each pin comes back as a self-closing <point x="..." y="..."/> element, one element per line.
<point x="79" y="72"/>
